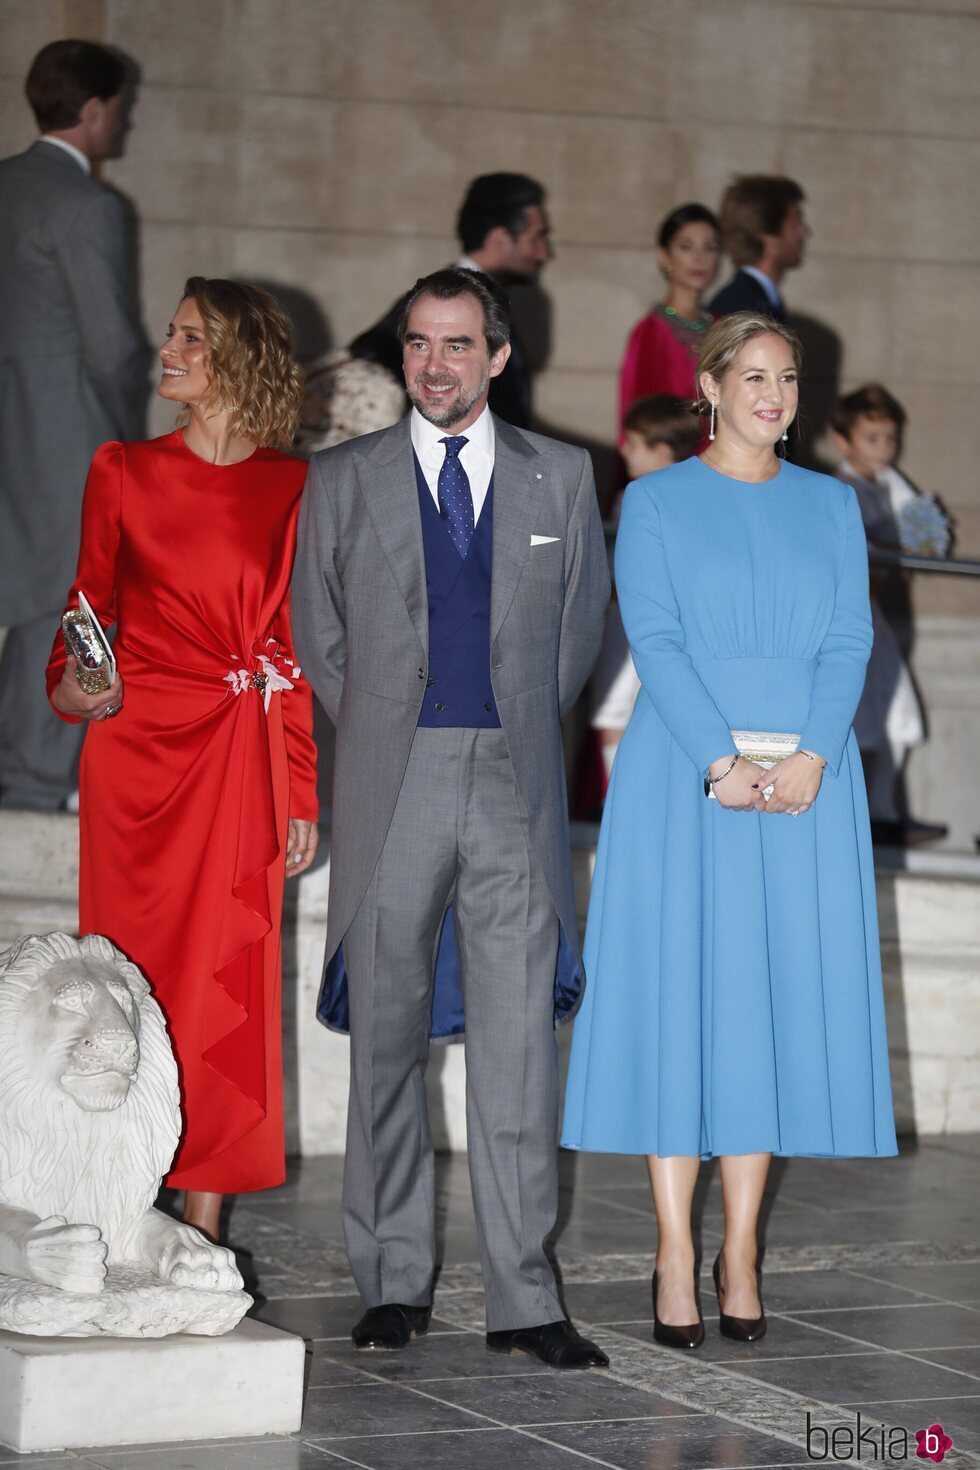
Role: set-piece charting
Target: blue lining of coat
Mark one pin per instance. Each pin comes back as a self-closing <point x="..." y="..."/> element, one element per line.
<point x="333" y="1008"/>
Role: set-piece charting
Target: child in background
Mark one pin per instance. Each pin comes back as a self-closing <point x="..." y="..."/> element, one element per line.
<point x="658" y="431"/>
<point x="868" y="426"/>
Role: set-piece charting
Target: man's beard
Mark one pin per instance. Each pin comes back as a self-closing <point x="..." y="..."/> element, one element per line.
<point x="456" y="409"/>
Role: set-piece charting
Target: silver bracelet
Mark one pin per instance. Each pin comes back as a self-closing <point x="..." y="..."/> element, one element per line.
<point x="713" y="780"/>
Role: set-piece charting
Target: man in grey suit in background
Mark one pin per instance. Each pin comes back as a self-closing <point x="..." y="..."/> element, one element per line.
<point x="73" y="364"/>
<point x="448" y="599"/>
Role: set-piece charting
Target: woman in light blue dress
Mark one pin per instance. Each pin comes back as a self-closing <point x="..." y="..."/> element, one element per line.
<point x="734" y="1002"/>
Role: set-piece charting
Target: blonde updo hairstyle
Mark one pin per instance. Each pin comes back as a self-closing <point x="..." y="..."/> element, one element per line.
<point x="725" y="339"/>
<point x="253" y="375"/>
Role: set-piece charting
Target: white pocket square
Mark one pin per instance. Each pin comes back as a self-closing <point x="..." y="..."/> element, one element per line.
<point x="543" y="540"/>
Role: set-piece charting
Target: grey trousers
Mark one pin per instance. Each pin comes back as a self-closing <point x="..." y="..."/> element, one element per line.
<point x="458" y="835"/>
<point x="38" y="752"/>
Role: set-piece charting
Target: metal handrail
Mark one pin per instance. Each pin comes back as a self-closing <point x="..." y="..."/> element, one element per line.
<point x="949" y="566"/>
<point x="886" y="559"/>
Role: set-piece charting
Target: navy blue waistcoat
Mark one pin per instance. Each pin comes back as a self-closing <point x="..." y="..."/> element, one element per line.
<point x="459" y="691"/>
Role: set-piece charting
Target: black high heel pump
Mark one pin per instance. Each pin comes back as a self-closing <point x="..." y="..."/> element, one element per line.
<point x="689" y="1336"/>
<point x="739" y="1329"/>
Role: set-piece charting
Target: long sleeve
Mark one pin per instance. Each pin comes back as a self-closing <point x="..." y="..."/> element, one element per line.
<point x="586" y="591"/>
<point x="96" y="574"/>
<point x="644" y="370"/>
<point x="319" y="622"/>
<point x="844" y="652"/>
<point x="656" y="635"/>
<point x="297" y="719"/>
<point x="94" y="256"/>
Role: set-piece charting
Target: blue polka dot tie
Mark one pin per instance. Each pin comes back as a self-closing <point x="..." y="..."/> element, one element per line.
<point x="455" y="495"/>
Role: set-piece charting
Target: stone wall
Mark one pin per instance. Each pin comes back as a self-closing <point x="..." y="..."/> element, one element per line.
<point x="322" y="145"/>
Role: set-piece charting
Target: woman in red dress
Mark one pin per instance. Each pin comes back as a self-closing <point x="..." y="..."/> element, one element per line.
<point x="663" y="347"/>
<point x="198" y="776"/>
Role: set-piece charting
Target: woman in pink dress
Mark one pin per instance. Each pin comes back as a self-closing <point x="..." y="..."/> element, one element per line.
<point x="663" y="348"/>
<point x="660" y="359"/>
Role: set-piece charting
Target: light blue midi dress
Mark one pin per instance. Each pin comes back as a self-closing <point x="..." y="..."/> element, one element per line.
<point x="734" y="999"/>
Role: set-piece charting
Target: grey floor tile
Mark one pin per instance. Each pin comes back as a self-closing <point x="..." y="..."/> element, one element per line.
<point x="697" y="1443"/>
<point x="965" y="1360"/>
<point x="955" y="1282"/>
<point x="326" y="1370"/>
<point x="313" y="1317"/>
<point x="812" y="1291"/>
<point x="855" y="1377"/>
<point x="436" y="1406"/>
<point x="319" y="1218"/>
<point x="784" y="1339"/>
<point x="845" y="1227"/>
<point x="43" y="1461"/>
<point x="955" y="1222"/>
<point x="610" y="1301"/>
<point x="262" y="1454"/>
<point x="378" y="1408"/>
<point x="495" y="1449"/>
<point x="554" y="1398"/>
<point x="884" y="1184"/>
<point x="960" y="1417"/>
<point x="624" y="1233"/>
<point x="907" y="1327"/>
<point x="462" y="1355"/>
<point x="310" y="1316"/>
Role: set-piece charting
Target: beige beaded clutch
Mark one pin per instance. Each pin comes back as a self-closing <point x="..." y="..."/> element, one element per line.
<point x="87" y="643"/>
<point x="766" y="747"/>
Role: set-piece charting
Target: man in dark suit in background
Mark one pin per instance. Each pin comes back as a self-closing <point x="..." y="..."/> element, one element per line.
<point x="504" y="231"/>
<point x="765" y="234"/>
<point x="73" y="365"/>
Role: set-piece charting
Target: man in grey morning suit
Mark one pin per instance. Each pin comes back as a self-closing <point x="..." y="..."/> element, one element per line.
<point x="450" y="585"/>
<point x="72" y="375"/>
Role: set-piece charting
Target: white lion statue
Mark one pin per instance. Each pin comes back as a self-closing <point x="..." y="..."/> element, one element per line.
<point x="89" y="1122"/>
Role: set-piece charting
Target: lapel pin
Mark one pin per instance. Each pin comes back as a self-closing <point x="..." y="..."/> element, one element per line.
<point x="537" y="477"/>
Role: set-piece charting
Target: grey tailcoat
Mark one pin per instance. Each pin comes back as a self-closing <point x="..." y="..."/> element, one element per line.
<point x="360" y="622"/>
<point x="73" y="364"/>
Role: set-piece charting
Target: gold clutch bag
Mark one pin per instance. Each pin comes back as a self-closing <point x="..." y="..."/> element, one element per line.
<point x="87" y="643"/>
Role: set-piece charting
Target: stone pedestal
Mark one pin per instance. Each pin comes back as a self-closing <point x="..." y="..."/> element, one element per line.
<point x="66" y="1393"/>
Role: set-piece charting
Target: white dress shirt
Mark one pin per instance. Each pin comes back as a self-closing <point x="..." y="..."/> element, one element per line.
<point x="70" y="149"/>
<point x="767" y="283"/>
<point x="476" y="455"/>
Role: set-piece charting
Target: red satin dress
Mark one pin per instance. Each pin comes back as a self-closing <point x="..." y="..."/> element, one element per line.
<point x="660" y="357"/>
<point x="185" y="795"/>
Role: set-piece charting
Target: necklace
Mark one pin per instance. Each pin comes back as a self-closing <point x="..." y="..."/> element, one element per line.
<point x="698" y="325"/>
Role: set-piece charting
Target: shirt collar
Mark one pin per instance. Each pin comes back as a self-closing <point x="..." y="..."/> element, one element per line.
<point x="766" y="282"/>
<point x="850" y="473"/>
<point x="71" y="150"/>
<point x="467" y="263"/>
<point x="426" y="437"/>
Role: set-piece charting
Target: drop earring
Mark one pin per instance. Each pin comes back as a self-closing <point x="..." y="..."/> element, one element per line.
<point x="711" y="426"/>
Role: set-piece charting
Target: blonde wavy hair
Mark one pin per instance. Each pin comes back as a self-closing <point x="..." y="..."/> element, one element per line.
<point x="726" y="338"/>
<point x="253" y="375"/>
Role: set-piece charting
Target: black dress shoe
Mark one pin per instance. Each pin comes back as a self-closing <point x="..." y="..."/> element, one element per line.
<point x="907" y="833"/>
<point x="556" y="1344"/>
<point x="691" y="1335"/>
<point x="390" y="1327"/>
<point x="739" y="1329"/>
